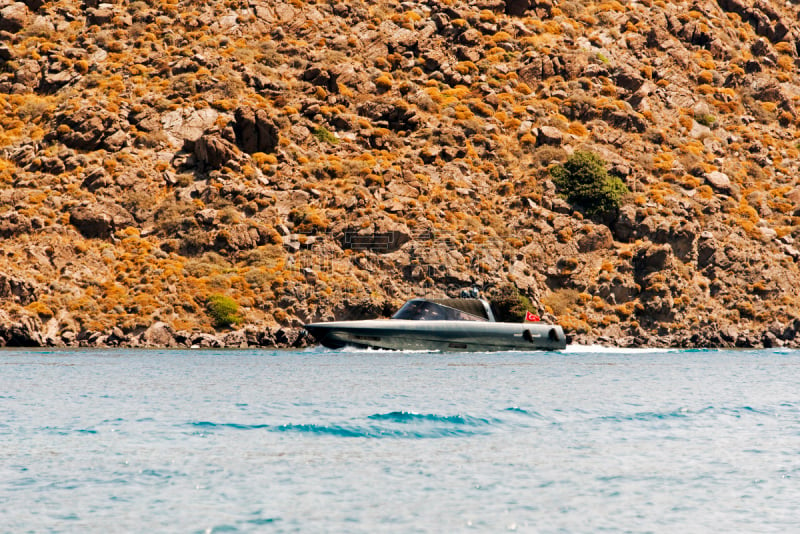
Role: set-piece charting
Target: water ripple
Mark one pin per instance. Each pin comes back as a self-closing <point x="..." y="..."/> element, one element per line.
<point x="298" y="441"/>
<point x="237" y="426"/>
<point x="522" y="411"/>
<point x="397" y="424"/>
<point x="413" y="417"/>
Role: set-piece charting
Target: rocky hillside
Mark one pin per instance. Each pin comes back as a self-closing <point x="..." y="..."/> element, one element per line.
<point x="318" y="160"/>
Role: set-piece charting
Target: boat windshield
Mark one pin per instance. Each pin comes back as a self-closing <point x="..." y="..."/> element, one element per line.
<point x="423" y="310"/>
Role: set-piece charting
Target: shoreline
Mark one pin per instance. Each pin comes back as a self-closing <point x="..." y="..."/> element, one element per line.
<point x="161" y="336"/>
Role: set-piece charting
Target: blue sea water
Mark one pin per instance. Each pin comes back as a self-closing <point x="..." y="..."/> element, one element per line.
<point x="588" y="440"/>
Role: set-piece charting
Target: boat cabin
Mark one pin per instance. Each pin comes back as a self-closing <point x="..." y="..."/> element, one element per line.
<point x="445" y="310"/>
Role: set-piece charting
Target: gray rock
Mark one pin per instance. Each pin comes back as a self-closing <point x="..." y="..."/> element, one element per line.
<point x="650" y="259"/>
<point x="188" y="124"/>
<point x="682" y="240"/>
<point x="719" y="181"/>
<point x="254" y="131"/>
<point x="92" y="128"/>
<point x="13" y="224"/>
<point x="548" y="135"/>
<point x="240" y="237"/>
<point x="518" y="7"/>
<point x="706" y="249"/>
<point x="28" y="74"/>
<point x="593" y="238"/>
<point x="158" y="334"/>
<point x="100" y="220"/>
<point x="100" y="15"/>
<point x="205" y="341"/>
<point x="211" y="151"/>
<point x="235" y="339"/>
<point x="96" y="180"/>
<point x="91" y="221"/>
<point x="14" y="17"/>
<point x="6" y="52"/>
<point x="17" y="290"/>
<point x="320" y="77"/>
<point x="25" y="333"/>
<point x="625" y="225"/>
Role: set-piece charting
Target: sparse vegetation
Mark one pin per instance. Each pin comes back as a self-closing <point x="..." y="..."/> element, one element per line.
<point x="172" y="158"/>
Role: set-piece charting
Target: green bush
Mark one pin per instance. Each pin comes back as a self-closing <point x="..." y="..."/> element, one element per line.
<point x="508" y="304"/>
<point x="224" y="310"/>
<point x="706" y="119"/>
<point x="585" y="182"/>
<point x="323" y="134"/>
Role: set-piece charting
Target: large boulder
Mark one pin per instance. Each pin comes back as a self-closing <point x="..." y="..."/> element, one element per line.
<point x="518" y="7"/>
<point x="625" y="225"/>
<point x="395" y="116"/>
<point x="158" y="335"/>
<point x="91" y="221"/>
<point x="569" y="66"/>
<point x="13" y="224"/>
<point x="241" y="237"/>
<point x="254" y="131"/>
<point x="548" y="135"/>
<point x="13" y="17"/>
<point x="186" y="125"/>
<point x="28" y="74"/>
<point x="594" y="237"/>
<point x="23" y="333"/>
<point x="100" y="220"/>
<point x="707" y="249"/>
<point x="321" y="77"/>
<point x="17" y="290"/>
<point x="92" y="128"/>
<point x="235" y="339"/>
<point x="100" y="15"/>
<point x="719" y="181"/>
<point x="682" y="240"/>
<point x="650" y="259"/>
<point x="211" y="151"/>
<point x="203" y="341"/>
<point x="97" y="179"/>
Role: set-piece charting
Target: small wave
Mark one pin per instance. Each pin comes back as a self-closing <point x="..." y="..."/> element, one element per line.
<point x="682" y="413"/>
<point x="413" y="417"/>
<point x="529" y="413"/>
<point x="740" y="411"/>
<point x="237" y="426"/>
<point x="735" y="411"/>
<point x="371" y="431"/>
<point x="331" y="430"/>
<point x="63" y="431"/>
<point x="262" y="521"/>
<point x="647" y="416"/>
<point x="411" y="425"/>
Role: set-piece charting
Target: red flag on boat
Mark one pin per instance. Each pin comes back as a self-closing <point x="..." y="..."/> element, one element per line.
<point x="531" y="317"/>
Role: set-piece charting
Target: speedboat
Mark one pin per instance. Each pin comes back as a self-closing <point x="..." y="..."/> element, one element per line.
<point x="460" y="325"/>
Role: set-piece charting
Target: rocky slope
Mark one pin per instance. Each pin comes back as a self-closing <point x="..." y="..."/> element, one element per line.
<point x="320" y="160"/>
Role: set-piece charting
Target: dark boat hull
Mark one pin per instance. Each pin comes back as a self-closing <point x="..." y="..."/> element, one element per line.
<point x="449" y="336"/>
